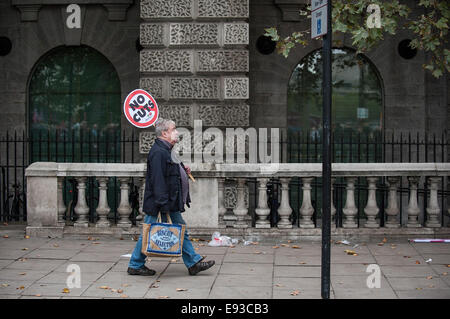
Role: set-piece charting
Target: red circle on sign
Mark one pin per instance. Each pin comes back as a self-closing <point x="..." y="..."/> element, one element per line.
<point x="132" y="105"/>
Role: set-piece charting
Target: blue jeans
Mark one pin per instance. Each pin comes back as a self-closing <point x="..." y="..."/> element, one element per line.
<point x="190" y="257"/>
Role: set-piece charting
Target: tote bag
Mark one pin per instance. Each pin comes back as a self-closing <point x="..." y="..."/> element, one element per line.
<point x="162" y="239"/>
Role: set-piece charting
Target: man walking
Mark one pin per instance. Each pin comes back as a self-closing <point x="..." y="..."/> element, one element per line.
<point x="166" y="191"/>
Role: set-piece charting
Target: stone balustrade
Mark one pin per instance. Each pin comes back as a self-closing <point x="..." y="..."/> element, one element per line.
<point x="211" y="210"/>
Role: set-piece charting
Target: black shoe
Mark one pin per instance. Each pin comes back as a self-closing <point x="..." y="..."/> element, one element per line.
<point x="144" y="271"/>
<point x="200" y="266"/>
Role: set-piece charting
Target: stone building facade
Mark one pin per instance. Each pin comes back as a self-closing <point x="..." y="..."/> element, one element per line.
<point x="199" y="59"/>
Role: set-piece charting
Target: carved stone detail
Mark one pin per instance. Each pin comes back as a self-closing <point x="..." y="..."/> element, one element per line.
<point x="166" y="61"/>
<point x="166" y="9"/>
<point x="223" y="8"/>
<point x="236" y="88"/>
<point x="235" y="33"/>
<point x="151" y="34"/>
<point x="181" y="114"/>
<point x="194" y="88"/>
<point x="224" y="115"/>
<point x="155" y="86"/>
<point x="194" y="34"/>
<point x="146" y="140"/>
<point x="222" y="61"/>
<point x="230" y="199"/>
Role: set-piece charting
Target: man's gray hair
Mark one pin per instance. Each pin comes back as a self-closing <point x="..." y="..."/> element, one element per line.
<point x="162" y="125"/>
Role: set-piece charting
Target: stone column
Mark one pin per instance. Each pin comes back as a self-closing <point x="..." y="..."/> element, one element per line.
<point x="262" y="210"/>
<point x="392" y="210"/>
<point x="433" y="209"/>
<point x="240" y="211"/>
<point x="61" y="206"/>
<point x="124" y="208"/>
<point x="413" y="207"/>
<point x="350" y="209"/>
<point x="81" y="209"/>
<point x="371" y="208"/>
<point x="285" y="209"/>
<point x="306" y="210"/>
<point x="103" y="208"/>
<point x="221" y="199"/>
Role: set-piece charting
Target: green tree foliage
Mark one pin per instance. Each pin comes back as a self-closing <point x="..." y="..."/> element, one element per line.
<point x="430" y="29"/>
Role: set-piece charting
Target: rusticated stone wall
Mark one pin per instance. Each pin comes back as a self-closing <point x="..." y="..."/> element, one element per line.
<point x="195" y="60"/>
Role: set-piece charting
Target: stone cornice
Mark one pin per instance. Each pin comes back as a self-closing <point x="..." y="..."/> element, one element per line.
<point x="29" y="9"/>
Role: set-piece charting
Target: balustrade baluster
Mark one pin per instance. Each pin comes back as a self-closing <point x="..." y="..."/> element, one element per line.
<point x="103" y="208"/>
<point x="413" y="207"/>
<point x="350" y="209"/>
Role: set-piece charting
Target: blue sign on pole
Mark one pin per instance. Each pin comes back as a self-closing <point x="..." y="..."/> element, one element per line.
<point x="319" y="17"/>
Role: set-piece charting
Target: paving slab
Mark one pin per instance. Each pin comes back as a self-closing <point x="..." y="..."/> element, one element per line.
<point x="87" y="278"/>
<point x="12" y="253"/>
<point x="22" y="275"/>
<point x="303" y="251"/>
<point x="407" y="271"/>
<point x="246" y="269"/>
<point x="345" y="258"/>
<point x="43" y="297"/>
<point x="299" y="294"/>
<point x="9" y="296"/>
<point x="243" y="280"/>
<point x="417" y="283"/>
<point x="51" y="254"/>
<point x="219" y="292"/>
<point x="283" y="260"/>
<point x="61" y="244"/>
<point x="441" y="269"/>
<point x="297" y="271"/>
<point x="406" y="260"/>
<point x="249" y="258"/>
<point x="56" y="290"/>
<point x="296" y="283"/>
<point x="392" y="250"/>
<point x="180" y="271"/>
<point x="424" y="294"/>
<point x="355" y="282"/>
<point x="86" y="266"/>
<point x="443" y="259"/>
<point x="205" y="281"/>
<point x="36" y="264"/>
<point x="172" y="293"/>
<point x="135" y="290"/>
<point x="92" y="256"/>
<point x="374" y="293"/>
<point x="347" y="269"/>
<point x="14" y="287"/>
<point x="432" y="248"/>
<point x="12" y="243"/>
<point x="124" y="278"/>
<point x="252" y="271"/>
<point x="210" y="250"/>
<point x="5" y="262"/>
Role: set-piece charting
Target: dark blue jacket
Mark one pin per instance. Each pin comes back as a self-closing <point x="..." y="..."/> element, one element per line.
<point x="163" y="182"/>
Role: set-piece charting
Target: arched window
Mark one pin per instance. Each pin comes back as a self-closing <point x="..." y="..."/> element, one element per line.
<point x="357" y="107"/>
<point x="74" y="107"/>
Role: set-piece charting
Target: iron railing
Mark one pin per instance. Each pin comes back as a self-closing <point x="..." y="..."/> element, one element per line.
<point x="18" y="151"/>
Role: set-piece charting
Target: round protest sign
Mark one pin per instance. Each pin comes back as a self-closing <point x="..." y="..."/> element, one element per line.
<point x="140" y="109"/>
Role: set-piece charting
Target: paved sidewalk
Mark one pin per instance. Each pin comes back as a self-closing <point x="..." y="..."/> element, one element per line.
<point x="36" y="268"/>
